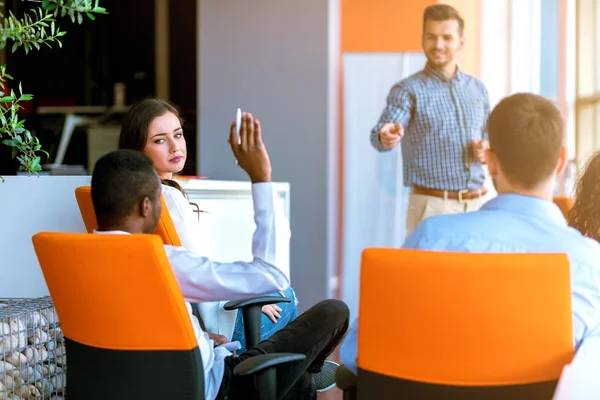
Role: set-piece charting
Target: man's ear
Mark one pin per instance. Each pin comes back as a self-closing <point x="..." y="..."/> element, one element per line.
<point x="562" y="161"/>
<point x="492" y="162"/>
<point x="145" y="207"/>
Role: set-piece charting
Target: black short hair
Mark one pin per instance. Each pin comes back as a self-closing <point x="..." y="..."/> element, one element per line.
<point x="121" y="179"/>
<point x="526" y="133"/>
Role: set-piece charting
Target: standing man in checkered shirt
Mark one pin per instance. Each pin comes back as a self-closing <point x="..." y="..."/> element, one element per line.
<point x="439" y="115"/>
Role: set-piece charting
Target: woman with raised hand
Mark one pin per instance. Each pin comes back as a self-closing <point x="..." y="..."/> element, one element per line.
<point x="154" y="127"/>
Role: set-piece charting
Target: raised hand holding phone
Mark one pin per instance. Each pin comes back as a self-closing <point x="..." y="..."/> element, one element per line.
<point x="249" y="149"/>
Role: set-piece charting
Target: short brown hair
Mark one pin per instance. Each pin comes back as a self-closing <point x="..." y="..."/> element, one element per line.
<point x="443" y="12"/>
<point x="526" y="134"/>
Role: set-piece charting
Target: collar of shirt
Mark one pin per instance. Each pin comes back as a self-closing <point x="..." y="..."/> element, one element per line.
<point x="430" y="71"/>
<point x="527" y="205"/>
<point x="112" y="232"/>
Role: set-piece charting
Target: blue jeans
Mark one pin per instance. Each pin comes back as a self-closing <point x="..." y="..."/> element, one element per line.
<point x="288" y="313"/>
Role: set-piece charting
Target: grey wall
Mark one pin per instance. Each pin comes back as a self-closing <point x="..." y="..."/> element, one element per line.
<point x="270" y="57"/>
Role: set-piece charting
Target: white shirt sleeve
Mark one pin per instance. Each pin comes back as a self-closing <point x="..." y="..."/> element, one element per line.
<point x="203" y="280"/>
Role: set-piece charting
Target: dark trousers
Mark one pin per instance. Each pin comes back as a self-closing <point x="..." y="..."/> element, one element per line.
<point x="315" y="333"/>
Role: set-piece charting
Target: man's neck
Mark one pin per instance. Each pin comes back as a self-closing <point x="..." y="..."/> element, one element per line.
<point x="448" y="70"/>
<point x="544" y="191"/>
<point x="120" y="228"/>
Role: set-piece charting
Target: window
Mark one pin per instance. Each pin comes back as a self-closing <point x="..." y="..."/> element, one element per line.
<point x="587" y="107"/>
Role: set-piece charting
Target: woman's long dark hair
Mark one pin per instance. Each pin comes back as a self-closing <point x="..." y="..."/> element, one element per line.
<point x="585" y="213"/>
<point x="134" y="129"/>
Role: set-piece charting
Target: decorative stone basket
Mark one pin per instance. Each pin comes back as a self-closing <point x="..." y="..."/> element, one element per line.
<point x="32" y="351"/>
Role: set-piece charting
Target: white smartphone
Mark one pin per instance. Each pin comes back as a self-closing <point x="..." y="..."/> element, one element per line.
<point x="238" y="122"/>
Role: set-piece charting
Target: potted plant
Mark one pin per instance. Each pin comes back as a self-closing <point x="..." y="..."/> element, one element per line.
<point x="30" y="32"/>
<point x="28" y="206"/>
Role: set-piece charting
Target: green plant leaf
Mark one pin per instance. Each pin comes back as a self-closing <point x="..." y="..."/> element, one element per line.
<point x="35" y="164"/>
<point x="30" y="30"/>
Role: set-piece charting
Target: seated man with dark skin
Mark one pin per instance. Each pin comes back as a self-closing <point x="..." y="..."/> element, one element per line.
<point x="126" y="194"/>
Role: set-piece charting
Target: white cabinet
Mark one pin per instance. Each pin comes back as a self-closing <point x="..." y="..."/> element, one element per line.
<point x="227" y="223"/>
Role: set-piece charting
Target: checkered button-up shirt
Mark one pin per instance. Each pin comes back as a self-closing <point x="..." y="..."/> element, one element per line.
<point x="440" y="118"/>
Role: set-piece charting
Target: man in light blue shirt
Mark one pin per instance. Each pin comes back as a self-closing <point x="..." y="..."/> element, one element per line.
<point x="525" y="156"/>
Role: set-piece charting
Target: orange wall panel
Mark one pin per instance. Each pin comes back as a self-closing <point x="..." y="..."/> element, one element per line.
<point x="382" y="25"/>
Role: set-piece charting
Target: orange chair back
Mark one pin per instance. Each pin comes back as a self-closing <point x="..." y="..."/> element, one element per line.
<point x="123" y="317"/>
<point x="564" y="203"/>
<point x="97" y="283"/>
<point x="465" y="319"/>
<point x="165" y="228"/>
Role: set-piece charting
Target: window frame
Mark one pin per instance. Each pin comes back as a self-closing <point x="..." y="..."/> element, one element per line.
<point x="587" y="101"/>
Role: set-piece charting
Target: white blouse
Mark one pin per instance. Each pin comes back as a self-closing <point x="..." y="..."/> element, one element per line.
<point x="187" y="222"/>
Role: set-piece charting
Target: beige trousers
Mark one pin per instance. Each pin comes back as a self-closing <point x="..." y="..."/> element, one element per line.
<point x="422" y="206"/>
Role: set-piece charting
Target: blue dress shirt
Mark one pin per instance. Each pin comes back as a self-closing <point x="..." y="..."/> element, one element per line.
<point x="512" y="223"/>
<point x="440" y="117"/>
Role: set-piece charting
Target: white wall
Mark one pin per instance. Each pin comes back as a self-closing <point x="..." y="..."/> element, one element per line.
<point x="510" y="47"/>
<point x="525" y="46"/>
<point x="494" y="48"/>
<point x="29" y="205"/>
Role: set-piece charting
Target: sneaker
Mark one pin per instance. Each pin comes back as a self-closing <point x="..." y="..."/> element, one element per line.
<point x="325" y="379"/>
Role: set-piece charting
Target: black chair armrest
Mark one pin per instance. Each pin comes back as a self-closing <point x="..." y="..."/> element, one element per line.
<point x="251" y="310"/>
<point x="256" y="301"/>
<point x="252" y="365"/>
<point x="263" y="369"/>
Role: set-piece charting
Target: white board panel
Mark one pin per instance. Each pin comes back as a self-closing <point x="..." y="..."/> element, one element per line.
<point x="374" y="199"/>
